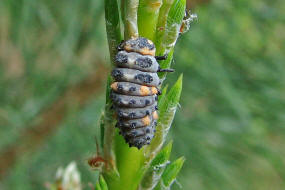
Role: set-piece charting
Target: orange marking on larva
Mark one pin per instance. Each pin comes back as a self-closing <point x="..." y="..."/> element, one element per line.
<point x="146" y="120"/>
<point x="146" y="51"/>
<point x="154" y="90"/>
<point x="114" y="86"/>
<point x="155" y="115"/>
<point x="128" y="48"/>
<point x="144" y="91"/>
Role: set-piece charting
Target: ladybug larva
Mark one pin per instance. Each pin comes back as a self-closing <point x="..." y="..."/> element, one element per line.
<point x="135" y="90"/>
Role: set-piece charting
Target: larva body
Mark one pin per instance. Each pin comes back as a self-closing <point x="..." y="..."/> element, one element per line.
<point x="135" y="90"/>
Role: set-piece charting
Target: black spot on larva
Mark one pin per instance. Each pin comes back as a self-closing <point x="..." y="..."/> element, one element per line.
<point x="132" y="115"/>
<point x="134" y="133"/>
<point x="119" y="100"/>
<point x="121" y="58"/>
<point x="133" y="125"/>
<point x="144" y="78"/>
<point x="147" y="112"/>
<point x="156" y="98"/>
<point x="117" y="74"/>
<point x="144" y="62"/>
<point x="132" y="89"/>
<point x="120" y="114"/>
<point x="120" y="87"/>
<point x="131" y="102"/>
<point x="147" y="130"/>
<point x="143" y="42"/>
<point x="147" y="102"/>
<point x="156" y="108"/>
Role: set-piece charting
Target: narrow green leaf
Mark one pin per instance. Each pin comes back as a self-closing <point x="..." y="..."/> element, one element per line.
<point x="148" y="11"/>
<point x="163" y="156"/>
<point x="171" y="171"/>
<point x="161" y="25"/>
<point x="130" y="18"/>
<point x="102" y="118"/>
<point x="109" y="129"/>
<point x="167" y="109"/>
<point x="102" y="130"/>
<point x="157" y="166"/>
<point x="169" y="175"/>
<point x="169" y="22"/>
<point x="166" y="39"/>
<point x="163" y="94"/>
<point x="112" y="26"/>
<point x="108" y="89"/>
<point x="103" y="183"/>
<point x="97" y="186"/>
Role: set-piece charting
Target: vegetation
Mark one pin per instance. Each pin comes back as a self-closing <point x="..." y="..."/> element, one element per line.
<point x="230" y="126"/>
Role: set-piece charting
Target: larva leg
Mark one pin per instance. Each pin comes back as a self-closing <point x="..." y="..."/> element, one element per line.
<point x="120" y="46"/>
<point x="163" y="57"/>
<point x="165" y="70"/>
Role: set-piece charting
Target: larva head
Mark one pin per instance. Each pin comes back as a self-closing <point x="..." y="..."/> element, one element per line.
<point x="139" y="45"/>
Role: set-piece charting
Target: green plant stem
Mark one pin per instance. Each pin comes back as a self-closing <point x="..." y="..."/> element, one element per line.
<point x="148" y="11"/>
<point x="130" y="18"/>
<point x="114" y="37"/>
<point x="161" y="25"/>
<point x="112" y="21"/>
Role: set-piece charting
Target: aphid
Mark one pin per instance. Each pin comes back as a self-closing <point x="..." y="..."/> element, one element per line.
<point x="188" y="18"/>
<point x="135" y="90"/>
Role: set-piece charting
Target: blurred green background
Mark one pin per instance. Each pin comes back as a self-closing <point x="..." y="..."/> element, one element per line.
<point x="231" y="124"/>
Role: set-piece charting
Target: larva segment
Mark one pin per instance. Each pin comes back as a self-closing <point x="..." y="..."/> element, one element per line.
<point x="155" y="115"/>
<point x="139" y="45"/>
<point x="140" y="136"/>
<point x="133" y="89"/>
<point x="133" y="133"/>
<point x="135" y="113"/>
<point x="139" y="141"/>
<point x="133" y="60"/>
<point x="135" y="76"/>
<point x="133" y="123"/>
<point x="132" y="101"/>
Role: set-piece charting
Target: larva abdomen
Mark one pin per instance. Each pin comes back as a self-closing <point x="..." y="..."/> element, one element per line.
<point x="135" y="76"/>
<point x="135" y="89"/>
<point x="136" y="61"/>
<point x="132" y="101"/>
<point x="135" y="113"/>
<point x="135" y="123"/>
